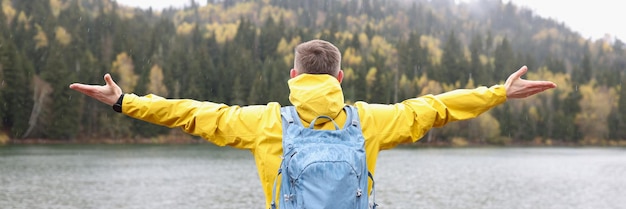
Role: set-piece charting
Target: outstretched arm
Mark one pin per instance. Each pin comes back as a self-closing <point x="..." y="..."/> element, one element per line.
<point x="107" y="94"/>
<point x="517" y="88"/>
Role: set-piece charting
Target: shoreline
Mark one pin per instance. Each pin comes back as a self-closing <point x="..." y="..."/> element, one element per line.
<point x="181" y="140"/>
<point x="155" y="140"/>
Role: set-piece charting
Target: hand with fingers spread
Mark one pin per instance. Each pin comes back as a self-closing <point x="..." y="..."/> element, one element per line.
<point x="517" y="88"/>
<point x="107" y="94"/>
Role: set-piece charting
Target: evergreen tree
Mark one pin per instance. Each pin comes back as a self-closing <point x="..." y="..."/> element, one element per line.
<point x="16" y="91"/>
<point x="529" y="61"/>
<point x="195" y="80"/>
<point x="278" y="90"/>
<point x="268" y="39"/>
<point x="258" y="90"/>
<point x="61" y="121"/>
<point x="211" y="72"/>
<point x="246" y="34"/>
<point x="584" y="75"/>
<point x="3" y="23"/>
<point x="504" y="61"/>
<point x="618" y="118"/>
<point x="412" y="57"/>
<point x="507" y="123"/>
<point x="329" y="35"/>
<point x="453" y="64"/>
<point x="42" y="21"/>
<point x="380" y="88"/>
<point x="564" y="127"/>
<point x="369" y="32"/>
<point x="555" y="65"/>
<point x="477" y="70"/>
<point x="241" y="62"/>
<point x="39" y="11"/>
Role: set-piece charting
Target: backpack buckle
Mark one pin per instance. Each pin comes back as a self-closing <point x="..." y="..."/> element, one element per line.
<point x="288" y="197"/>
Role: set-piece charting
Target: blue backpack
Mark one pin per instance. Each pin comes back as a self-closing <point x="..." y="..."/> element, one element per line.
<point x="323" y="169"/>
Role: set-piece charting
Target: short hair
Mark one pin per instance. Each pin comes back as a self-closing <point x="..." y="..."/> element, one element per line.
<point x="317" y="57"/>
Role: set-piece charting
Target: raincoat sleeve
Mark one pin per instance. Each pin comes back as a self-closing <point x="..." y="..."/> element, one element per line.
<point x="220" y="124"/>
<point x="410" y="120"/>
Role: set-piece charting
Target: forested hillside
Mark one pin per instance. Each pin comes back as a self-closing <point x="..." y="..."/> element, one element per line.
<point x="239" y="52"/>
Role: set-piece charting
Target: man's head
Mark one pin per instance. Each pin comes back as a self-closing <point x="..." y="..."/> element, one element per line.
<point x="317" y="57"/>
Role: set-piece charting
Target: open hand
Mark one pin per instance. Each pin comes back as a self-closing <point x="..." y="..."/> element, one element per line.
<point x="107" y="94"/>
<point x="516" y="87"/>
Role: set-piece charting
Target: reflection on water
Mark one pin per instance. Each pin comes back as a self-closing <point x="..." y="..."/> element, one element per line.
<point x="204" y="176"/>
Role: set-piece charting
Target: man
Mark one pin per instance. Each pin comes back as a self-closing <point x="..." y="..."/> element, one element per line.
<point x="314" y="90"/>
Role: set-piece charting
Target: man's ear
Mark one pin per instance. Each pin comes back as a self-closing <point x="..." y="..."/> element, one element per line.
<point x="293" y="73"/>
<point x="340" y="76"/>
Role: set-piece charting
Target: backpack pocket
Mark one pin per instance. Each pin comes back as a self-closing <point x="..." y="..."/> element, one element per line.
<point x="331" y="181"/>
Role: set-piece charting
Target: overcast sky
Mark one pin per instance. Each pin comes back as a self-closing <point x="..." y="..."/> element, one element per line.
<point x="592" y="19"/>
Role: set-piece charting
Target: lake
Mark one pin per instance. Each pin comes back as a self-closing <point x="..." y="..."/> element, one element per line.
<point x="206" y="176"/>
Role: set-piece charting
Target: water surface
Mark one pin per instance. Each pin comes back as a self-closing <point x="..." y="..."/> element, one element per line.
<point x="205" y="176"/>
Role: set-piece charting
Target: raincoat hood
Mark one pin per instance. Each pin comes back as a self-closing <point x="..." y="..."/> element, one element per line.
<point x="314" y="95"/>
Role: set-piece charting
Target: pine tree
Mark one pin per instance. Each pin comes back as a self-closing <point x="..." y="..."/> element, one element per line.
<point x="565" y="117"/>
<point x="507" y="123"/>
<point x="478" y="71"/>
<point x="16" y="89"/>
<point x="413" y="58"/>
<point x="584" y="75"/>
<point x="268" y="39"/>
<point x="504" y="61"/>
<point x="555" y="65"/>
<point x="3" y="23"/>
<point x="246" y="34"/>
<point x="379" y="87"/>
<point x="453" y="64"/>
<point x="61" y="120"/>
<point x="618" y="118"/>
<point x="277" y="88"/>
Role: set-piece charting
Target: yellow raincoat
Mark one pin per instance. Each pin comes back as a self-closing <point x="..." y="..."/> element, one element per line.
<point x="258" y="128"/>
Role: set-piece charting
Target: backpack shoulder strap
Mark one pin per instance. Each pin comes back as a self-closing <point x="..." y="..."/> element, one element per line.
<point x="291" y="126"/>
<point x="289" y="115"/>
<point x="353" y="122"/>
<point x="285" y="113"/>
<point x="352" y="115"/>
